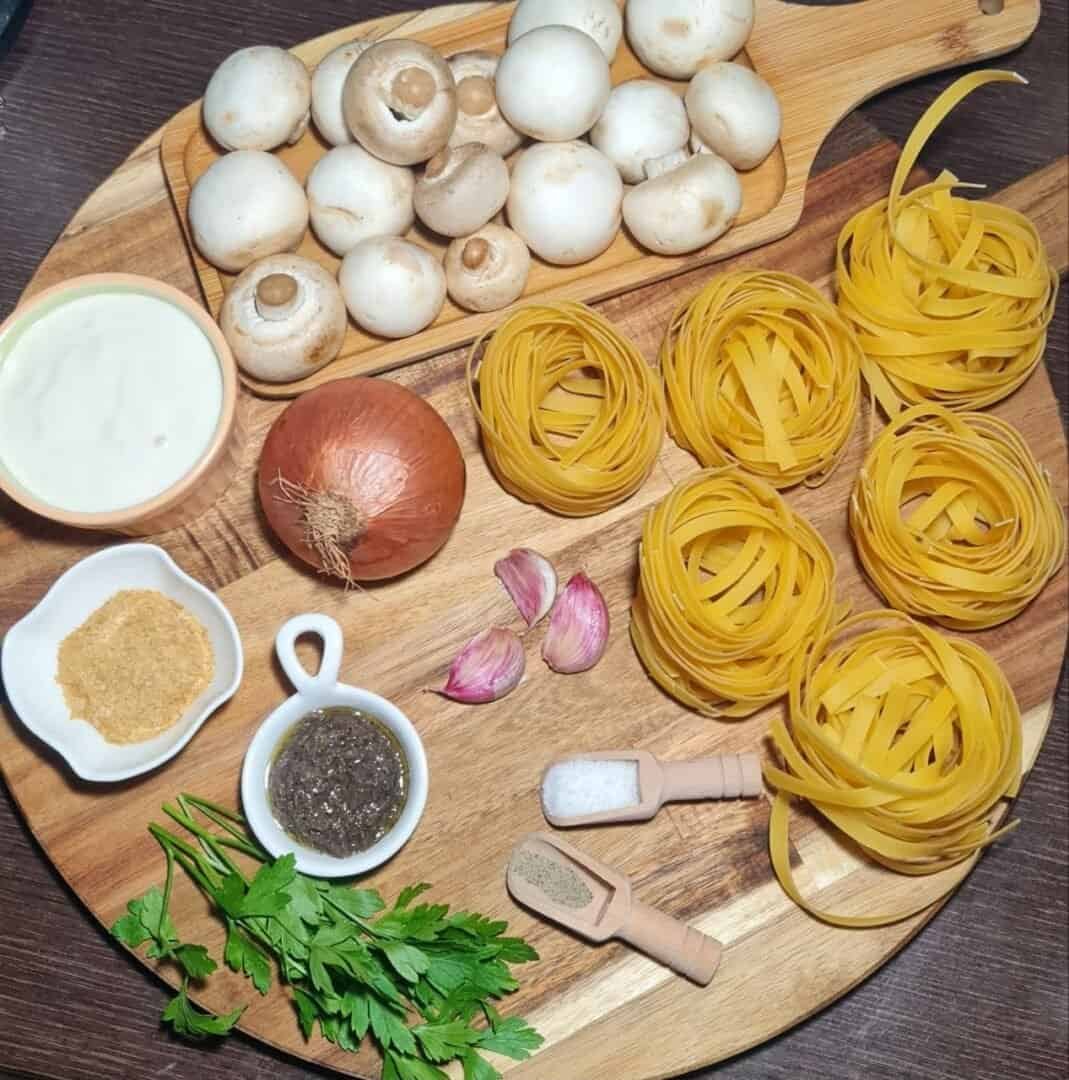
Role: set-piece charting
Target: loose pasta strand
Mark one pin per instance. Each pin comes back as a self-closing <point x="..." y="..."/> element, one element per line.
<point x="950" y="297"/>
<point x="761" y="370"/>
<point x="571" y="414"/>
<point x="905" y="740"/>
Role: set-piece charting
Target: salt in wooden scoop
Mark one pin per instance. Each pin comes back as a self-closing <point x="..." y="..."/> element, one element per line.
<point x="632" y="785"/>
<point x="555" y="879"/>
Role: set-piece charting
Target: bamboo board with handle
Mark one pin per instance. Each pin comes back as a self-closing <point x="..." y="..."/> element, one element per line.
<point x="822" y="62"/>
<point x="604" y="1011"/>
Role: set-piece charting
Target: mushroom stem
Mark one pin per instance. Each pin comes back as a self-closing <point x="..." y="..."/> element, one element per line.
<point x="412" y="91"/>
<point x="476" y="252"/>
<point x="475" y="95"/>
<point x="278" y="297"/>
<point x="437" y="165"/>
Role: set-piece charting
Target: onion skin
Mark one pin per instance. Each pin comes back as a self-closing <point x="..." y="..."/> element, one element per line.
<point x="382" y="449"/>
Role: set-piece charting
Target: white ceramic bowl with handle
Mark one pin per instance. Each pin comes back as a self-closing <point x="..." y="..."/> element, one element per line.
<point x="323" y="691"/>
<point x="29" y="658"/>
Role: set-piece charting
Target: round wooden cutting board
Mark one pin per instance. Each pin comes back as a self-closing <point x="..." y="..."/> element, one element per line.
<point x="603" y="1011"/>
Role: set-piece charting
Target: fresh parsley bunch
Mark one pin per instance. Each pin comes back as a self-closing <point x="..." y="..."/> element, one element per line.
<point x="356" y="967"/>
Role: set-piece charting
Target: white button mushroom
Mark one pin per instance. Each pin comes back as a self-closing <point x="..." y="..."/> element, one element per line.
<point x="565" y="201"/>
<point x="400" y="101"/>
<point x="247" y="205"/>
<point x="478" y="117"/>
<point x="392" y="287"/>
<point x="353" y="195"/>
<point x="284" y="318"/>
<point x="685" y="208"/>
<point x="676" y="37"/>
<point x="327" y="82"/>
<point x="488" y="270"/>
<point x="735" y="113"/>
<point x="462" y="189"/>
<point x="257" y="99"/>
<point x="643" y="119"/>
<point x="601" y="19"/>
<point x="553" y="83"/>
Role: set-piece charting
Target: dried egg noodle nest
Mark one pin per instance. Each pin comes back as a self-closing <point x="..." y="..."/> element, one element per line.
<point x="950" y="297"/>
<point x="572" y="416"/>
<point x="732" y="583"/>
<point x="954" y="520"/>
<point x="905" y="740"/>
<point x="762" y="370"/>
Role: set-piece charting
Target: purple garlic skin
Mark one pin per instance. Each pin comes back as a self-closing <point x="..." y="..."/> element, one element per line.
<point x="578" y="628"/>
<point x="531" y="581"/>
<point x="490" y="666"/>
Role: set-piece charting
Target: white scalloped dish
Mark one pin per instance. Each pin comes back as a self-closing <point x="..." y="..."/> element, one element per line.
<point x="30" y="649"/>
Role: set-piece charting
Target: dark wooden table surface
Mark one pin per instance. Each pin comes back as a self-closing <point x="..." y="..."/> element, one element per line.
<point x="981" y="994"/>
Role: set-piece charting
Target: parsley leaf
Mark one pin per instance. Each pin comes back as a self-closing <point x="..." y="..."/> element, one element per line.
<point x="512" y="1037"/>
<point x="408" y="961"/>
<point x="443" y="1042"/>
<point x="389" y="1028"/>
<point x="307" y="1012"/>
<point x="478" y="1068"/>
<point x="188" y="1021"/>
<point x="242" y="955"/>
<point x="396" y="1067"/>
<point x="359" y="903"/>
<point x="195" y="961"/>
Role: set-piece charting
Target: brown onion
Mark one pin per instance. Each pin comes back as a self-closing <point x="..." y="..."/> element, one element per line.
<point x="361" y="479"/>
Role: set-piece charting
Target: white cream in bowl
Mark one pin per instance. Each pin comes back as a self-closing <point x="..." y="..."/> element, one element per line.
<point x="107" y="398"/>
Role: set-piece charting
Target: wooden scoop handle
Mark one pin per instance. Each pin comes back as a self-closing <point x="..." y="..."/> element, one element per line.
<point x="725" y="776"/>
<point x="675" y="944"/>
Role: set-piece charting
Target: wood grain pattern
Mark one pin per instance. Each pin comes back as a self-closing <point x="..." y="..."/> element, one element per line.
<point x="602" y="1009"/>
<point x="821" y="63"/>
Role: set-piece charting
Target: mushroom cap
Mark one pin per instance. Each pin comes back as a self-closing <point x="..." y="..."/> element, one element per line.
<point x="601" y="19"/>
<point x="392" y="287"/>
<point x="553" y="83"/>
<point x="488" y="270"/>
<point x="280" y="339"/>
<point x="400" y="101"/>
<point x="245" y="206"/>
<point x="257" y="99"/>
<point x="353" y="195"/>
<point x="676" y="37"/>
<point x="327" y="82"/>
<point x="462" y="189"/>
<point x="644" y="119"/>
<point x="565" y="201"/>
<point x="735" y="113"/>
<point x="478" y="117"/>
<point x="685" y="209"/>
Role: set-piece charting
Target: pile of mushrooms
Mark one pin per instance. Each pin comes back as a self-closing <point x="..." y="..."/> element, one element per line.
<point x="415" y="136"/>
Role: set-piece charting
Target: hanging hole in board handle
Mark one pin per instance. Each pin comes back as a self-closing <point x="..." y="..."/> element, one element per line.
<point x="325" y="628"/>
<point x="992" y="7"/>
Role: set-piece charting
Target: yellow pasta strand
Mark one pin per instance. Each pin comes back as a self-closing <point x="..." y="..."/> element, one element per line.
<point x="572" y="416"/>
<point x="732" y="583"/>
<point x="904" y="739"/>
<point x="954" y="520"/>
<point x="760" y="369"/>
<point x="950" y="297"/>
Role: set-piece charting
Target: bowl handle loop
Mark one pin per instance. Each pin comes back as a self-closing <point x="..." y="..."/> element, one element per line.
<point x="285" y="645"/>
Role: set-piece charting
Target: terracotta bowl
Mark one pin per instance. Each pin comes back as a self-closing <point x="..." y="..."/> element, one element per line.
<point x="209" y="477"/>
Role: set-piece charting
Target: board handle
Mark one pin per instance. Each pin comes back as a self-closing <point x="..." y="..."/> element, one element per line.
<point x="826" y="60"/>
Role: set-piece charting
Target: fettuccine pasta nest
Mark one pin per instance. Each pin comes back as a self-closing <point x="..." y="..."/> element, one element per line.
<point x="950" y="297"/>
<point x="762" y="370"/>
<point x="954" y="520"/>
<point x="732" y="584"/>
<point x="572" y="416"/>
<point x="905" y="740"/>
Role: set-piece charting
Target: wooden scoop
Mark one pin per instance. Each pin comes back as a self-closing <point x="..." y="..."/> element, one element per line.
<point x="725" y="776"/>
<point x="555" y="879"/>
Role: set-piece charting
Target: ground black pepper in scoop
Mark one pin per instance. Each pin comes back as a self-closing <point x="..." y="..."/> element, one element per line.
<point x="338" y="782"/>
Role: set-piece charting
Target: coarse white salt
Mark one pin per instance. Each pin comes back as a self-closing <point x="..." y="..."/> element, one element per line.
<point x="579" y="787"/>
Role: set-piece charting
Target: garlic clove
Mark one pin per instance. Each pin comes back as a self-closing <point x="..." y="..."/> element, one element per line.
<point x="531" y="581"/>
<point x="489" y="667"/>
<point x="578" y="628"/>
